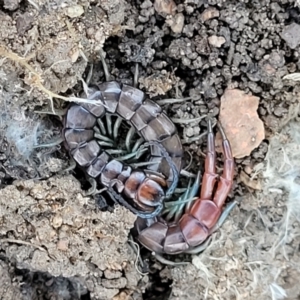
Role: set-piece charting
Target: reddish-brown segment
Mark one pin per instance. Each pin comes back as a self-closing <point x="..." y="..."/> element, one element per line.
<point x="145" y="191"/>
<point x="196" y="224"/>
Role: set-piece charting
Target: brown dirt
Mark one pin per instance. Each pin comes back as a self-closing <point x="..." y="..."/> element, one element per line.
<point x="55" y="242"/>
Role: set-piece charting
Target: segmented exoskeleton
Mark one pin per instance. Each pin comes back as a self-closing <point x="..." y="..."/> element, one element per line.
<point x="142" y="191"/>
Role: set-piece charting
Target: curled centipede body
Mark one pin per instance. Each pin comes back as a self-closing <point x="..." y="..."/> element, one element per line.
<point x="142" y="191"/>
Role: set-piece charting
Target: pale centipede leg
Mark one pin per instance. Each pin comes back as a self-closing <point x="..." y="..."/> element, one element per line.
<point x="103" y="138"/>
<point x="129" y="137"/>
<point x="176" y="208"/>
<point x="136" y="75"/>
<point x="115" y="151"/>
<point x="116" y="128"/>
<point x="93" y="188"/>
<point x="105" y="144"/>
<point x="130" y="155"/>
<point x="109" y="124"/>
<point x="137" y="144"/>
<point x="101" y="126"/>
<point x="89" y="75"/>
<point x="56" y="112"/>
<point x="50" y="144"/>
<point x="224" y="215"/>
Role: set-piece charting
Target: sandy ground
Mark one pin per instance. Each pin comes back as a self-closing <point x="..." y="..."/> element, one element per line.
<point x="55" y="242"/>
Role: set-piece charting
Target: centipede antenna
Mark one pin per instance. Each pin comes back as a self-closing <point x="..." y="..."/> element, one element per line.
<point x="116" y="127"/>
<point x="129" y="137"/>
<point x="109" y="124"/>
<point x="101" y="126"/>
<point x="105" y="67"/>
<point x="136" y="75"/>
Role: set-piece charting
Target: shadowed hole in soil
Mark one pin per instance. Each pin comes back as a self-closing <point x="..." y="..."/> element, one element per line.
<point x="35" y="284"/>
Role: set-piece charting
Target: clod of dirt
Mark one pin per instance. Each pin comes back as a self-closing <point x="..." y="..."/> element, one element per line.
<point x="248" y="181"/>
<point x="239" y="118"/>
<point x="9" y="289"/>
<point x="209" y="13"/>
<point x="11" y="4"/>
<point x="74" y="11"/>
<point x="291" y="35"/>
<point x="50" y="227"/>
<point x="216" y="41"/>
<point x="176" y="23"/>
<point x="165" y="7"/>
<point x="158" y="83"/>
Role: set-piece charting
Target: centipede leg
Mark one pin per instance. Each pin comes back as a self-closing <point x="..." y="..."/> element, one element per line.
<point x="93" y="188"/>
<point x="89" y="75"/>
<point x="109" y="124"/>
<point x="56" y="112"/>
<point x="129" y="137"/>
<point x="136" y="75"/>
<point x="116" y="127"/>
<point x="50" y="144"/>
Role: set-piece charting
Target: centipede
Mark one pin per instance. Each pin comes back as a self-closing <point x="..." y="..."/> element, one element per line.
<point x="145" y="190"/>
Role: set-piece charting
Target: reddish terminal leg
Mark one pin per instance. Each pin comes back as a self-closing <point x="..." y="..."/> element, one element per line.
<point x="206" y="209"/>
